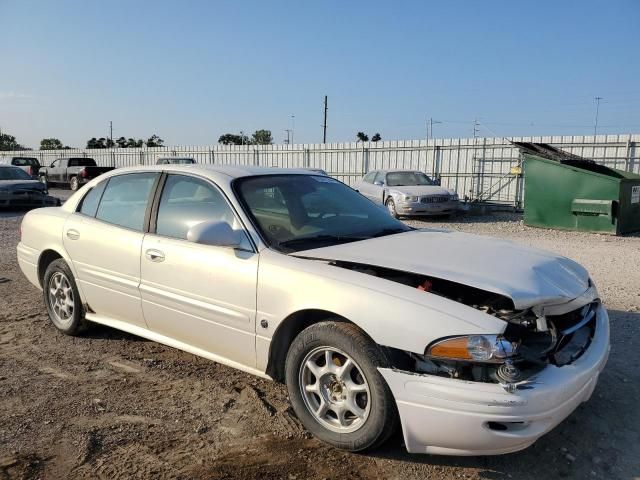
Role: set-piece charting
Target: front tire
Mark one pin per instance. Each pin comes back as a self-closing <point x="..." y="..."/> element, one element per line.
<point x="74" y="184"/>
<point x="336" y="389"/>
<point x="62" y="298"/>
<point x="391" y="206"/>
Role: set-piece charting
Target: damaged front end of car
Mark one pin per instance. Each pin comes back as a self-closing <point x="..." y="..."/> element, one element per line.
<point x="533" y="338"/>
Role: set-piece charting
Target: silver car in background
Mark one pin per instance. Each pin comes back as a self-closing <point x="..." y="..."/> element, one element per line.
<point x="407" y="192"/>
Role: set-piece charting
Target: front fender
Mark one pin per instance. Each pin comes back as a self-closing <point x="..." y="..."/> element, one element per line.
<point x="392" y="314"/>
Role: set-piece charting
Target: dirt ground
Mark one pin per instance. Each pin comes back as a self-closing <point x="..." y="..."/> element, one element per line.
<point x="111" y="405"/>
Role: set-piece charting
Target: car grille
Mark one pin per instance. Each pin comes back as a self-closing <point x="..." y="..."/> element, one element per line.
<point x="435" y="199"/>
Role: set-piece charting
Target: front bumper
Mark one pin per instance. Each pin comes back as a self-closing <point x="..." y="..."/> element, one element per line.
<point x="451" y="417"/>
<point x="418" y="208"/>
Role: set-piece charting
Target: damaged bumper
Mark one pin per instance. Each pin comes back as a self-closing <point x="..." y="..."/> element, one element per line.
<point x="456" y="417"/>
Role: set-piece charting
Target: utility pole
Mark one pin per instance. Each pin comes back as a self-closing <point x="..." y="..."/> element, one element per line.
<point x="241" y="137"/>
<point x="293" y="126"/>
<point x="111" y="132"/>
<point x="595" y="125"/>
<point x="430" y="125"/>
<point x="324" y="125"/>
<point x="287" y="141"/>
<point x="476" y="128"/>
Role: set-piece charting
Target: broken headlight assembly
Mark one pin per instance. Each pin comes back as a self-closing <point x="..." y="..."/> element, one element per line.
<point x="473" y="348"/>
<point x="481" y="358"/>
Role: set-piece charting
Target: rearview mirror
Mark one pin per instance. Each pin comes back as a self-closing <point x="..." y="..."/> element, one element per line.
<point x="219" y="234"/>
<point x="379" y="183"/>
<point x="437" y="181"/>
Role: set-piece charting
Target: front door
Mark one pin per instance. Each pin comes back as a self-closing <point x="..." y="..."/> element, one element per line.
<point x="201" y="295"/>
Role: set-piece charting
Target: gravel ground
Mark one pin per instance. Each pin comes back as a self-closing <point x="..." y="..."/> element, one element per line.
<point x="109" y="404"/>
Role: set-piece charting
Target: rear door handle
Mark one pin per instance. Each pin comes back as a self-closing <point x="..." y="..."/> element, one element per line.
<point x="154" y="255"/>
<point x="73" y="234"/>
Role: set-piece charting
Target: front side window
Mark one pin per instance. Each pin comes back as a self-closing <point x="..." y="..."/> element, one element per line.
<point x="125" y="199"/>
<point x="300" y="212"/>
<point x="89" y="205"/>
<point x="379" y="177"/>
<point x="369" y="177"/>
<point x="187" y="201"/>
<point x="407" y="179"/>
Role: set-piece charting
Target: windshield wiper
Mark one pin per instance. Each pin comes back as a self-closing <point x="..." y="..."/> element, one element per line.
<point x="389" y="231"/>
<point x="320" y="238"/>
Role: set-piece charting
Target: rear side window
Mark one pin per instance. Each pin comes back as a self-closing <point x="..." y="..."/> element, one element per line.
<point x="25" y="162"/>
<point x="187" y="201"/>
<point x="90" y="201"/>
<point x="125" y="199"/>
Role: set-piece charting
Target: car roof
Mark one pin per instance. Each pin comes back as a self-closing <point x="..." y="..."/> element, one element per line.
<point x="233" y="171"/>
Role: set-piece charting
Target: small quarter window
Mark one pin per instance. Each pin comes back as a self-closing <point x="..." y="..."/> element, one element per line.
<point x="89" y="205"/>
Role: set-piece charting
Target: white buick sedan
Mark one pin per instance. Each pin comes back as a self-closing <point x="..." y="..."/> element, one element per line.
<point x="473" y="345"/>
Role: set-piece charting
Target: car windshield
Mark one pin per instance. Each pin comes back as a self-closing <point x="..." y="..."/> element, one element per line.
<point x="13" y="173"/>
<point x="301" y="212"/>
<point x="406" y="179"/>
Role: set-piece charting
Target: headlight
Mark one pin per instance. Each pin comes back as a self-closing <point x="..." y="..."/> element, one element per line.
<point x="409" y="198"/>
<point x="454" y="196"/>
<point x="473" y="348"/>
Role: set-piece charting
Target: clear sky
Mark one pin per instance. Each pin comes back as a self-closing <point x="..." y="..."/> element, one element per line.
<point x="193" y="70"/>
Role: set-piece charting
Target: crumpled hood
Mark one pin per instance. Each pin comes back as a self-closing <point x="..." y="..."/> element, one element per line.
<point x="21" y="185"/>
<point x="528" y="276"/>
<point x="421" y="190"/>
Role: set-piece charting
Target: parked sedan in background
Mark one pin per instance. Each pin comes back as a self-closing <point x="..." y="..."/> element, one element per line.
<point x="407" y="192"/>
<point x="18" y="189"/>
<point x="472" y="345"/>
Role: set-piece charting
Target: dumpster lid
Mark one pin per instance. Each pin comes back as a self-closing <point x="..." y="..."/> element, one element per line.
<point x="544" y="150"/>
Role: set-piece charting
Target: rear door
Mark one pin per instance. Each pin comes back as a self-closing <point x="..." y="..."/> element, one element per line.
<point x="104" y="240"/>
<point x="201" y="295"/>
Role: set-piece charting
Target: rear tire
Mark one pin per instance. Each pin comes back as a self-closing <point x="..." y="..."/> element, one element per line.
<point x="62" y="298"/>
<point x="74" y="184"/>
<point x="336" y="389"/>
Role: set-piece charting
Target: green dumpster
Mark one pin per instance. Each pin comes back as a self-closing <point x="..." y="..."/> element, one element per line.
<point x="565" y="191"/>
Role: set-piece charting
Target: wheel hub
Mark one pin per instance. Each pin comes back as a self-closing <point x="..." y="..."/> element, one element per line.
<point x="334" y="389"/>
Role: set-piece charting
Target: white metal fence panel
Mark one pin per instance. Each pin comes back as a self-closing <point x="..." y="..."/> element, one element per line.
<point x="477" y="168"/>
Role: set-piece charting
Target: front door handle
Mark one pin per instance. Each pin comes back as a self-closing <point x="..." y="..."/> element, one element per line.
<point x="73" y="234"/>
<point x="154" y="255"/>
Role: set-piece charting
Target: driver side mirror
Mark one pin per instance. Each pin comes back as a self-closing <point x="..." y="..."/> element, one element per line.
<point x="379" y="183"/>
<point x="218" y="234"/>
<point x="437" y="181"/>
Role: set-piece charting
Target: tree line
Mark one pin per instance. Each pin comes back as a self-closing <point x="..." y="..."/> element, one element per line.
<point x="259" y="137"/>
